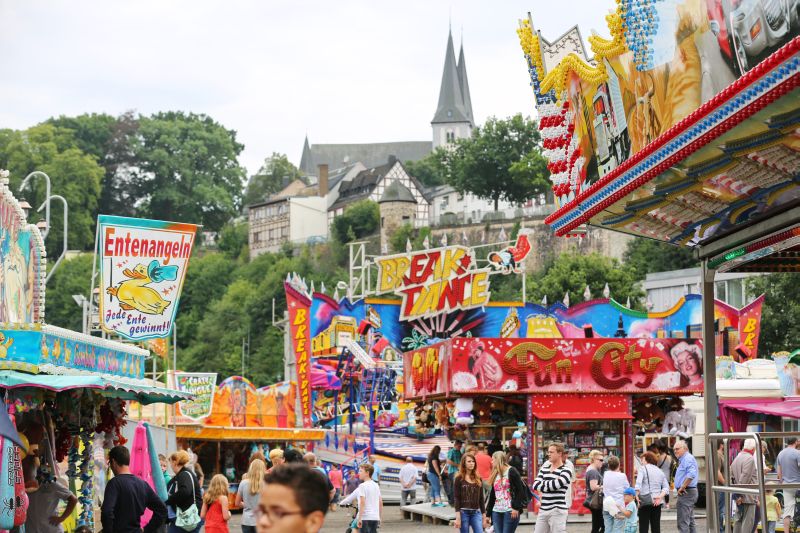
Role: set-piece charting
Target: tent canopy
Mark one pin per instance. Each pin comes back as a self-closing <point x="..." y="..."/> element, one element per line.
<point x="784" y="407"/>
<point x="125" y="389"/>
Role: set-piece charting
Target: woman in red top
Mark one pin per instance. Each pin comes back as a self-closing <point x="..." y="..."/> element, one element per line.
<point x="215" y="505"/>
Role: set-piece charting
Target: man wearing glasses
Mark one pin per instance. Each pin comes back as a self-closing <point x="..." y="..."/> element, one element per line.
<point x="686" y="487"/>
<point x="294" y="499"/>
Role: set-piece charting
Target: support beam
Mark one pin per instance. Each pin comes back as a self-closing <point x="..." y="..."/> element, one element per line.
<point x="710" y="399"/>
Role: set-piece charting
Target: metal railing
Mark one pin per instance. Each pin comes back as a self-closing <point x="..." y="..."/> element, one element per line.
<point x="758" y="490"/>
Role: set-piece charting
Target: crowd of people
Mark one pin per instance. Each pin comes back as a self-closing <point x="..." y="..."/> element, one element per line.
<point x="291" y="496"/>
<point x="294" y="493"/>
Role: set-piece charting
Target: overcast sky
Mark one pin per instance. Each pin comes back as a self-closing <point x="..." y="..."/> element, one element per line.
<point x="342" y="71"/>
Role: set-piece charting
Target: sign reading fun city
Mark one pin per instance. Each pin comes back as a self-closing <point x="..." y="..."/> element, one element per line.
<point x="142" y="267"/>
<point x="434" y="281"/>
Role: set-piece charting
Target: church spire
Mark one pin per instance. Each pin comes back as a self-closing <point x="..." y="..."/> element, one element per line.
<point x="307" y="160"/>
<point x="451" y="102"/>
<point x="464" y="84"/>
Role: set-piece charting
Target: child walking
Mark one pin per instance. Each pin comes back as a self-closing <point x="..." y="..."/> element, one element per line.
<point x="215" y="505"/>
<point x="773" y="511"/>
<point x="631" y="511"/>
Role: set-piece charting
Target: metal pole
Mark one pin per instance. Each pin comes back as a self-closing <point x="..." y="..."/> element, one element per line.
<point x="710" y="384"/>
<point x="65" y="246"/>
<point x="47" y="195"/>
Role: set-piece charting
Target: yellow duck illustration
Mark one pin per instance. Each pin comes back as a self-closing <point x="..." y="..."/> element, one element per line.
<point x="5" y="344"/>
<point x="56" y="350"/>
<point x="133" y="293"/>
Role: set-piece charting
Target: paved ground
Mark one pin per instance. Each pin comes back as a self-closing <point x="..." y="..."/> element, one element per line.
<point x="337" y="523"/>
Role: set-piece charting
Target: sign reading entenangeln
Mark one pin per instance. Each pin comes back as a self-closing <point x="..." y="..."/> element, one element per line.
<point x="142" y="267"/>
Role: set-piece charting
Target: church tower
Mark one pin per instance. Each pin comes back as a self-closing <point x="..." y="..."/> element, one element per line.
<point x="453" y="118"/>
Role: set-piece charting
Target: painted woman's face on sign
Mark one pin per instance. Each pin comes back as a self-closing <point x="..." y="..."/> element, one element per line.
<point x="688" y="364"/>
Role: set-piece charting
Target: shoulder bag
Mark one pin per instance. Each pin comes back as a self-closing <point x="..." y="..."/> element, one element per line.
<point x="189" y="519"/>
<point x="646" y="499"/>
<point x="595" y="503"/>
<point x="425" y="472"/>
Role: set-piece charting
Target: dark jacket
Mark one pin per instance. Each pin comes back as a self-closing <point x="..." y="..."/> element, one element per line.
<point x="519" y="492"/>
<point x="179" y="490"/>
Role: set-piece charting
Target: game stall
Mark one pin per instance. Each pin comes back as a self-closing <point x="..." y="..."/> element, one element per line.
<point x="225" y="424"/>
<point x="682" y="127"/>
<point x="592" y="375"/>
<point x="66" y="392"/>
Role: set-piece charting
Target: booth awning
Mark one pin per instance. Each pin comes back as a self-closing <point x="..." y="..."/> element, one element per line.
<point x="125" y="389"/>
<point x="788" y="407"/>
<point x="581" y="407"/>
<point x="248" y="434"/>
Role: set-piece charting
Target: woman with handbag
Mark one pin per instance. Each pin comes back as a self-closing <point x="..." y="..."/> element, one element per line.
<point x="435" y="476"/>
<point x="508" y="496"/>
<point x="594" y="490"/>
<point x="184" y="496"/>
<point x="651" y="487"/>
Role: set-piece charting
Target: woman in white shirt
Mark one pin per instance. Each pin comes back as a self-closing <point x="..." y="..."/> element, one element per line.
<point x="614" y="484"/>
<point x="652" y="482"/>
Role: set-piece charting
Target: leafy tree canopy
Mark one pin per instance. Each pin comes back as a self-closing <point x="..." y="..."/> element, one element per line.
<point x="501" y="161"/>
<point x="431" y="170"/>
<point x="359" y="219"/>
<point x="573" y="272"/>
<point x="73" y="276"/>
<point x="779" y="328"/>
<point x="647" y="255"/>
<point x="73" y="174"/>
<point x="188" y="169"/>
<point x="270" y="178"/>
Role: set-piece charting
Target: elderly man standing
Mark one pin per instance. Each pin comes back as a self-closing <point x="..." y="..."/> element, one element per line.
<point x="408" y="482"/>
<point x="788" y="463"/>
<point x="686" y="487"/>
<point x="743" y="472"/>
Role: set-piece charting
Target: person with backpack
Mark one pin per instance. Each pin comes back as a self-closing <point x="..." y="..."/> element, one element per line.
<point x="508" y="497"/>
<point x="553" y="482"/>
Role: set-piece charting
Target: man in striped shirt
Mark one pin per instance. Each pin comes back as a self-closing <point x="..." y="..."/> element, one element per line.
<point x="553" y="483"/>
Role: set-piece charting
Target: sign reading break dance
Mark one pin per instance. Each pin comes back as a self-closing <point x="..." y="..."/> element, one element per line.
<point x="299" y="306"/>
<point x="434" y="281"/>
<point x="142" y="267"/>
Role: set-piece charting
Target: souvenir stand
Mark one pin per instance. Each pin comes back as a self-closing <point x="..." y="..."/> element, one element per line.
<point x="683" y="129"/>
<point x="66" y="391"/>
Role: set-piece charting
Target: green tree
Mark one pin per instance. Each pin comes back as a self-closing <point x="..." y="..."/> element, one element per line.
<point x="780" y="329"/>
<point x="110" y="141"/>
<point x="431" y="170"/>
<point x="187" y="169"/>
<point x="232" y="239"/>
<point x="74" y="175"/>
<point x="501" y="161"/>
<point x="573" y="272"/>
<point x="72" y="277"/>
<point x="359" y="220"/>
<point x="647" y="255"/>
<point x="270" y="178"/>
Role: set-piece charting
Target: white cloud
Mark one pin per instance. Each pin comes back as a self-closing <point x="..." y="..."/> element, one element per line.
<point x="343" y="71"/>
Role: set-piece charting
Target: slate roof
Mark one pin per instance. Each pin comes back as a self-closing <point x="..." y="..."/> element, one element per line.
<point x="371" y="154"/>
<point x="362" y="185"/>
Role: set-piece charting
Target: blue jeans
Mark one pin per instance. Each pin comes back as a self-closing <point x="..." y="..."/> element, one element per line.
<point x="613" y="525"/>
<point x="436" y="486"/>
<point x="248" y="529"/>
<point x="471" y="518"/>
<point x="503" y="523"/>
<point x="721" y="508"/>
<point x="369" y="526"/>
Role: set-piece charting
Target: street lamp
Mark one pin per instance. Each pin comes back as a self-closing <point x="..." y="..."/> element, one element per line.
<point x="81" y="300"/>
<point x="46" y="205"/>
<point x="34" y="174"/>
